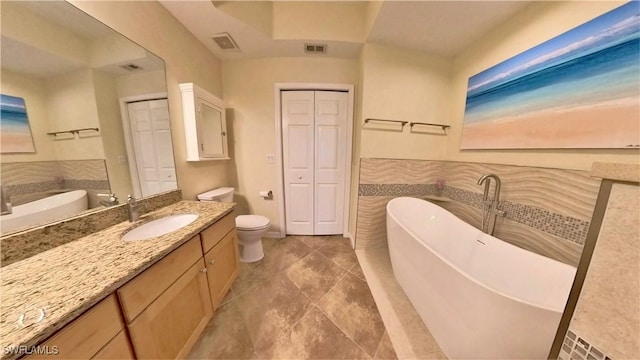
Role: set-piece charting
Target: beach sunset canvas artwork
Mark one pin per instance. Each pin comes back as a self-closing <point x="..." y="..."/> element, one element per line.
<point x="580" y="89"/>
<point x="15" y="133"/>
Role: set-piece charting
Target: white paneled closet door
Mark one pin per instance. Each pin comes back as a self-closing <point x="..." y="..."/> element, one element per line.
<point x="314" y="127"/>
<point x="151" y="134"/>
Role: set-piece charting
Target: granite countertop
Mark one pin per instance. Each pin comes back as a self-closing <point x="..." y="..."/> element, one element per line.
<point x="67" y="280"/>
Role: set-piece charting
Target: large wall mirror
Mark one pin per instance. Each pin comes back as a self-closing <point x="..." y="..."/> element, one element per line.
<point x="96" y="113"/>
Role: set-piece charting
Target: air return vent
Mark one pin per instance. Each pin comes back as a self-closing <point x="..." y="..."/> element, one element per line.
<point x="131" y="67"/>
<point x="225" y="41"/>
<point x="315" y="48"/>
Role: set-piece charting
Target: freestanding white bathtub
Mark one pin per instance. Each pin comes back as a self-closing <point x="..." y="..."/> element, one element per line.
<point x="41" y="211"/>
<point x="479" y="296"/>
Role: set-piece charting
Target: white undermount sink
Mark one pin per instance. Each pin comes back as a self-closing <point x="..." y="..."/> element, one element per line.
<point x="159" y="227"/>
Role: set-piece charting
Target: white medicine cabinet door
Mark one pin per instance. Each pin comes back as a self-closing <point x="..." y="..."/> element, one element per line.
<point x="212" y="131"/>
<point x="205" y="124"/>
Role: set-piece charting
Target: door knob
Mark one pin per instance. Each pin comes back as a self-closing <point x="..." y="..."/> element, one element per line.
<point x="203" y="270"/>
<point x="299" y="177"/>
<point x="212" y="261"/>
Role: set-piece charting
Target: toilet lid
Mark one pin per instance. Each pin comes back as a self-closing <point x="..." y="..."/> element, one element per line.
<point x="248" y="222"/>
<point x="215" y="194"/>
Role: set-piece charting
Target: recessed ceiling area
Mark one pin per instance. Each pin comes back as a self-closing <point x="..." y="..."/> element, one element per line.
<point x="281" y="28"/>
<point x="443" y="28"/>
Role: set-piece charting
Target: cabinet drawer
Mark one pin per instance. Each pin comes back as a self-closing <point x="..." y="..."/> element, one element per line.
<point x="171" y="325"/>
<point x="138" y="293"/>
<point x="118" y="348"/>
<point x="214" y="233"/>
<point x="85" y="336"/>
<point x="222" y="267"/>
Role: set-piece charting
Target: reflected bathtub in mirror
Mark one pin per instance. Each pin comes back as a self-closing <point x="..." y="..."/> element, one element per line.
<point x="45" y="210"/>
<point x="74" y="73"/>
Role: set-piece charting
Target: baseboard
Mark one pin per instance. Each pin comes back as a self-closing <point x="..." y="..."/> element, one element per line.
<point x="351" y="239"/>
<point x="274" y="234"/>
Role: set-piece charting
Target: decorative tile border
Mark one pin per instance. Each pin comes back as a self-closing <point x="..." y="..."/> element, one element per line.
<point x="396" y="189"/>
<point x="35" y="187"/>
<point x="566" y="227"/>
<point x="87" y="184"/>
<point x="575" y="347"/>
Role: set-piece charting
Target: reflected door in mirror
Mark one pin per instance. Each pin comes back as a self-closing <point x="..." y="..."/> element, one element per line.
<point x="152" y="145"/>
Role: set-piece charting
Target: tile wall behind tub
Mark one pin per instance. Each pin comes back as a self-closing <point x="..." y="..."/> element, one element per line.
<point x="24" y="180"/>
<point x="380" y="181"/>
<point x="548" y="210"/>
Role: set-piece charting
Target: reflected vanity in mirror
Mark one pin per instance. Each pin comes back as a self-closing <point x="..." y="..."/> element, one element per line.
<point x="97" y="109"/>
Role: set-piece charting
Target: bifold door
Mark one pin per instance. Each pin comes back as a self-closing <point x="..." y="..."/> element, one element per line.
<point x="314" y="126"/>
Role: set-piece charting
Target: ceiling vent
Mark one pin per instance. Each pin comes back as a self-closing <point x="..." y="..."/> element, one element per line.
<point x="225" y="41"/>
<point x="315" y="48"/>
<point x="131" y="67"/>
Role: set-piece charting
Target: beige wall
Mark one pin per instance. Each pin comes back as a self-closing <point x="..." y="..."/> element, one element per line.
<point x="139" y="84"/>
<point x="112" y="133"/>
<point x="409" y="86"/>
<point x="187" y="60"/>
<point x="34" y="93"/>
<point x="539" y="22"/>
<point x="72" y="105"/>
<point x="249" y="93"/>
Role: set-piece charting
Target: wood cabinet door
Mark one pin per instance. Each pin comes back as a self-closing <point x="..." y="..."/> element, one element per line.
<point x="222" y="267"/>
<point x="118" y="348"/>
<point x="170" y="326"/>
<point x="85" y="336"/>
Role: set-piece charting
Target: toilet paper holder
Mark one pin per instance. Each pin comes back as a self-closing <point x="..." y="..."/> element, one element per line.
<point x="267" y="195"/>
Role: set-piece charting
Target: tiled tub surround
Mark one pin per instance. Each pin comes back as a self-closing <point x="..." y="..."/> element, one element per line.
<point x="24" y="244"/>
<point x="548" y="210"/>
<point x="28" y="181"/>
<point x="69" y="279"/>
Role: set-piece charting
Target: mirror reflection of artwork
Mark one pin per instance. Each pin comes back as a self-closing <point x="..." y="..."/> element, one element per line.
<point x="14" y="126"/>
<point x="577" y="90"/>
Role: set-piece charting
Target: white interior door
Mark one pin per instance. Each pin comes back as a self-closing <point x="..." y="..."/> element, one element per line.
<point x="330" y="158"/>
<point x="298" y="156"/>
<point x="314" y="139"/>
<point x="151" y="135"/>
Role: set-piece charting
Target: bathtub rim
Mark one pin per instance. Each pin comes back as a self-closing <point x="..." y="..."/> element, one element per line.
<point x="464" y="273"/>
<point x="70" y="197"/>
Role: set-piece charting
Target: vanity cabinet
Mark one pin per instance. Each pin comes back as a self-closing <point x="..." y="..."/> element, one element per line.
<point x="222" y="262"/>
<point x="160" y="313"/>
<point x="99" y="333"/>
<point x="168" y="305"/>
<point x="204" y="124"/>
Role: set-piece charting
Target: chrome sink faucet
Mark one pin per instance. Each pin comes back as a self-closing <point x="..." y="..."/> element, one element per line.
<point x="112" y="199"/>
<point x="134" y="208"/>
<point x="6" y="207"/>
<point x="490" y="208"/>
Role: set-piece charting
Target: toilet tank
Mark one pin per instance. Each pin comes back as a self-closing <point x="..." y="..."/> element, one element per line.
<point x="223" y="194"/>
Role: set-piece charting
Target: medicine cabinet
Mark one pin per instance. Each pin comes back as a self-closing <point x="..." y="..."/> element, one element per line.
<point x="205" y="124"/>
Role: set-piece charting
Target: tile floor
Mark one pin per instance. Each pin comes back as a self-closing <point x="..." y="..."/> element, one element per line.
<point x="307" y="299"/>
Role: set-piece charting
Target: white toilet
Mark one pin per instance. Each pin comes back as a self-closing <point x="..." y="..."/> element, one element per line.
<point x="250" y="228"/>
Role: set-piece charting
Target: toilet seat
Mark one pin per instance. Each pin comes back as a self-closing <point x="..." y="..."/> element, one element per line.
<point x="251" y="222"/>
